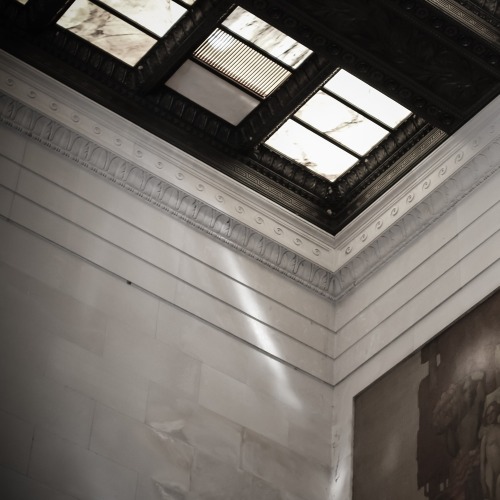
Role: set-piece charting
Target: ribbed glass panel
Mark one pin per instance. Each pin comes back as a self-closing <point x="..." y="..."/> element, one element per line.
<point x="241" y="63"/>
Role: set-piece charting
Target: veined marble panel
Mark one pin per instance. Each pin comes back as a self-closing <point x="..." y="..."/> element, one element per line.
<point x="367" y="98"/>
<point x="311" y="150"/>
<point x="106" y="31"/>
<point x="156" y="16"/>
<point x="341" y="123"/>
<point x="266" y="37"/>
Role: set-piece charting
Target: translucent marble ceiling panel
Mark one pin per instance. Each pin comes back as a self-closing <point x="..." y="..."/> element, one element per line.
<point x="367" y="98"/>
<point x="266" y="37"/>
<point x="341" y="123"/>
<point x="156" y="16"/>
<point x="212" y="92"/>
<point x="311" y="150"/>
<point x="106" y="31"/>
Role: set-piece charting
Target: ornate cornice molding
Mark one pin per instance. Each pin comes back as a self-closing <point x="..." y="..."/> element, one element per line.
<point x="175" y="183"/>
<point x="154" y="190"/>
<point x="417" y="210"/>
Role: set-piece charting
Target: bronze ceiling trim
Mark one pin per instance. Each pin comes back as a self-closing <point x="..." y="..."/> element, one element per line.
<point x="484" y="27"/>
<point x="43" y="13"/>
<point x="451" y="32"/>
<point x="360" y="198"/>
<point x="478" y="9"/>
<point x="382" y="157"/>
<point x="302" y="84"/>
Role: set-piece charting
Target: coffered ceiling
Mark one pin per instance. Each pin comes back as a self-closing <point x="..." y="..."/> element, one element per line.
<point x="438" y="60"/>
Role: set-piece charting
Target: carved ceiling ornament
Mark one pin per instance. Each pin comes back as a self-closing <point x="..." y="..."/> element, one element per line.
<point x="491" y="6"/>
<point x="44" y="110"/>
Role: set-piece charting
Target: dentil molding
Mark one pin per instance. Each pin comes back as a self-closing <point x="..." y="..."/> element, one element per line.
<point x="174" y="182"/>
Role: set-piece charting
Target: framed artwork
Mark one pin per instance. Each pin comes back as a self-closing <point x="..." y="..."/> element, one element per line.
<point x="430" y="428"/>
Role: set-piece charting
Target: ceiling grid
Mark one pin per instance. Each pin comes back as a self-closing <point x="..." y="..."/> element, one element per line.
<point x="439" y="59"/>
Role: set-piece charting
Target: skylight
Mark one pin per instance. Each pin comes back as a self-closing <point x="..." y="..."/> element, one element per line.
<point x="127" y="29"/>
<point x="339" y="124"/>
<point x="245" y="53"/>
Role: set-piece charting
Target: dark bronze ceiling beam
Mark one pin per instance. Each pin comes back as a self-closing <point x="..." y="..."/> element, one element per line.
<point x="375" y="163"/>
<point x="481" y="9"/>
<point x="42" y="13"/>
<point x="468" y="14"/>
<point x="460" y="30"/>
<point x="264" y="120"/>
<point x="191" y="30"/>
<point x="472" y="47"/>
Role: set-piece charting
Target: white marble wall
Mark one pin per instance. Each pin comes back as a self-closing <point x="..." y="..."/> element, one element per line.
<point x="204" y="378"/>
